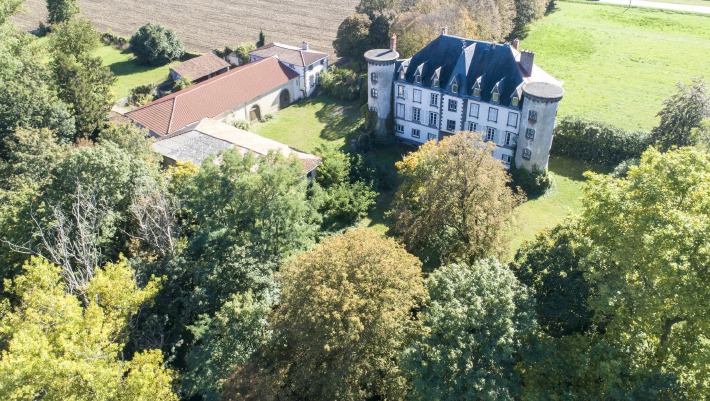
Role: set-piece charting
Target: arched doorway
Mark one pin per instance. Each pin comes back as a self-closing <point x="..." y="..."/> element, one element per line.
<point x="254" y="114"/>
<point x="284" y="98"/>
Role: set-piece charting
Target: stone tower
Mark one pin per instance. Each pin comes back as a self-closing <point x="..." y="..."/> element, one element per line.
<point x="540" y="102"/>
<point x="380" y="76"/>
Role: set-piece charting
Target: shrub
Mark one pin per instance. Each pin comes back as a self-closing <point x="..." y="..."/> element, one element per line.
<point x="341" y="84"/>
<point x="623" y="168"/>
<point x="156" y="45"/>
<point x="534" y="183"/>
<point x="267" y="117"/>
<point x="141" y="94"/>
<point x="241" y="124"/>
<point x="596" y="142"/>
<point x="116" y="41"/>
<point x="181" y="84"/>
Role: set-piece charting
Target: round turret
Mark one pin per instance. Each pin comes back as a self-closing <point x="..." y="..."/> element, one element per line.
<point x="540" y="103"/>
<point x="380" y="74"/>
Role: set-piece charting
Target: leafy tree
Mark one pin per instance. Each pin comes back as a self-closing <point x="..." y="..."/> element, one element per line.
<point x="352" y="39"/>
<point x="243" y="50"/>
<point x="182" y="83"/>
<point x="550" y="267"/>
<point x="55" y="347"/>
<point x="155" y="44"/>
<point x="262" y="39"/>
<point x="454" y="202"/>
<point x="344" y="200"/>
<point x="476" y="316"/>
<point x="74" y="37"/>
<point x="649" y="262"/>
<point x="681" y="113"/>
<point x="26" y="97"/>
<point x="84" y="84"/>
<point x="376" y="8"/>
<point x="223" y="341"/>
<point x="345" y="315"/>
<point x="61" y="10"/>
<point x="8" y="8"/>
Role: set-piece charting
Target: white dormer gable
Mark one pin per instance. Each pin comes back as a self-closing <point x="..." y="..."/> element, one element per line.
<point x="516" y="95"/>
<point x="418" y="74"/>
<point x="495" y="93"/>
<point x="476" y="89"/>
<point x="454" y="84"/>
<point x="402" y="70"/>
<point x="435" y="78"/>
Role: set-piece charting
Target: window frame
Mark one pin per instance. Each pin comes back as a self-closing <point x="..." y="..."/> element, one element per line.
<point x="472" y="126"/>
<point x="374" y="78"/>
<point x="478" y="110"/>
<point x="527" y="154"/>
<point x="491" y="134"/>
<point x="432" y="137"/>
<point x="530" y="134"/>
<point x="435" y="118"/>
<point x="532" y="115"/>
<point x="414" y="95"/>
<point x="374" y="93"/>
<point x="400" y="92"/>
<point x="416" y="114"/>
<point x="511" y="138"/>
<point x="399" y="107"/>
<point x="455" y="104"/>
<point x="434" y="100"/>
<point x="495" y="112"/>
<point x="418" y="133"/>
<point x="515" y="125"/>
<point x="399" y="128"/>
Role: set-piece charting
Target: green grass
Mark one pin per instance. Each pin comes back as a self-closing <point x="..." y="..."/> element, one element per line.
<point x="618" y="64"/>
<point x="128" y="72"/>
<point x="562" y="199"/>
<point x="309" y="123"/>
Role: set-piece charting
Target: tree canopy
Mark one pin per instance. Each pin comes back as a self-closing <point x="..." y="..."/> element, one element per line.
<point x="155" y="44"/>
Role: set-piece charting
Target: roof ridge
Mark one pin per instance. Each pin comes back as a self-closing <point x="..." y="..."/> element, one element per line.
<point x="172" y="113"/>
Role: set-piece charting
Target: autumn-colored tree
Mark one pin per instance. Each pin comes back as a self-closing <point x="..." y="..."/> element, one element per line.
<point x="57" y="347"/>
<point x="345" y="315"/>
<point x="454" y="202"/>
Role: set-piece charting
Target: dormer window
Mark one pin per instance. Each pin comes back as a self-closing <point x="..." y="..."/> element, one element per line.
<point x="401" y="73"/>
<point x="476" y="92"/>
<point x="496" y="97"/>
<point x="515" y="101"/>
<point x="435" y="83"/>
<point x="455" y="86"/>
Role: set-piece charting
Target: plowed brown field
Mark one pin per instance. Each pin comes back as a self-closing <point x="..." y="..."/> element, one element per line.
<point x="203" y="25"/>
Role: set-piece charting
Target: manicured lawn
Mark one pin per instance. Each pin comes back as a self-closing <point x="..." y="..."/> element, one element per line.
<point x="618" y="64"/>
<point x="128" y="72"/>
<point x="309" y="123"/>
<point x="550" y="209"/>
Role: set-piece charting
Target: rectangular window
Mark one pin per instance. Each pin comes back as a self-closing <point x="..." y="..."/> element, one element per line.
<point x="527" y="154"/>
<point x="473" y="127"/>
<point x="455" y="88"/>
<point x="373" y="93"/>
<point x="530" y="134"/>
<point x="433" y="119"/>
<point x="493" y="115"/>
<point x="432" y="137"/>
<point x="399" y="128"/>
<point x="490" y="134"/>
<point x="435" y="83"/>
<point x="473" y="111"/>
<point x="507" y="159"/>
<point x="512" y="119"/>
<point x="417" y="96"/>
<point x="434" y="101"/>
<point x="400" y="110"/>
<point x="418" y="78"/>
<point x="453" y="105"/>
<point x="400" y="91"/>
<point x="416" y="114"/>
<point x="415" y="133"/>
<point x="477" y="92"/>
<point x="496" y="97"/>
<point x="373" y="77"/>
<point x="510" y="138"/>
<point x="532" y="116"/>
<point x="451" y="125"/>
<point x="515" y="101"/>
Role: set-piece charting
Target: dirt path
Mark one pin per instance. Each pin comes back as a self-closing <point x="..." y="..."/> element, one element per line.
<point x="664" y="6"/>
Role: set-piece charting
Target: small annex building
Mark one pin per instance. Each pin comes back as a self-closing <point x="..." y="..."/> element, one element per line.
<point x="207" y="138"/>
<point x="248" y="92"/>
<point x="199" y="68"/>
<point x="309" y="64"/>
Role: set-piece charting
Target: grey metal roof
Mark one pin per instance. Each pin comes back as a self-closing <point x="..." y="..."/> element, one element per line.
<point x="193" y="146"/>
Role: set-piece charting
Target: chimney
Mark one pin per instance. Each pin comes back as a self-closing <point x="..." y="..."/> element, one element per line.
<point x="516" y="43"/>
<point x="444" y="30"/>
<point x="304" y="45"/>
<point x="393" y="43"/>
<point x="526" y="61"/>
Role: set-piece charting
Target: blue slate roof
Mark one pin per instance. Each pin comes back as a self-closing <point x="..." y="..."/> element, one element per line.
<point x="467" y="61"/>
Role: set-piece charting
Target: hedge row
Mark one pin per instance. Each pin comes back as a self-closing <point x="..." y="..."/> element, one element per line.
<point x="596" y="142"/>
<point x="341" y="83"/>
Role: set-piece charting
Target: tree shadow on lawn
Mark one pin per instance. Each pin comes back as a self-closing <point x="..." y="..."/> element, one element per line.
<point x="339" y="117"/>
<point x="127" y="67"/>
<point x="574" y="169"/>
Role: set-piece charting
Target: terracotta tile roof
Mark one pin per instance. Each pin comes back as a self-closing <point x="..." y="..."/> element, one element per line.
<point x="208" y="138"/>
<point x="200" y="67"/>
<point x="212" y="97"/>
<point x="289" y="54"/>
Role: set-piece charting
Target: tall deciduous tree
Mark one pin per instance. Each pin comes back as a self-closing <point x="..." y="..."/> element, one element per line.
<point x="9" y="8"/>
<point x="650" y="261"/>
<point x="681" y="113"/>
<point x="345" y="315"/>
<point x="155" y="44"/>
<point x="454" y="202"/>
<point x="61" y="10"/>
<point x="352" y="39"/>
<point x="74" y="37"/>
<point x="477" y="317"/>
<point x="56" y="347"/>
<point x="84" y="84"/>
